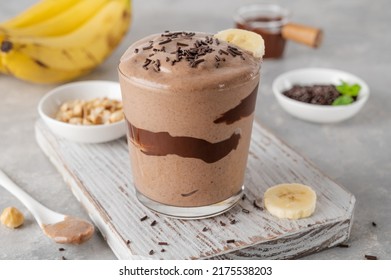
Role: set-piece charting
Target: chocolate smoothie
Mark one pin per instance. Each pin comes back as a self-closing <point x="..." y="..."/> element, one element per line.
<point x="189" y="102"/>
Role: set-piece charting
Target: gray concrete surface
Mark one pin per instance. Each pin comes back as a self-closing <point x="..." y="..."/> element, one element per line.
<point x="355" y="153"/>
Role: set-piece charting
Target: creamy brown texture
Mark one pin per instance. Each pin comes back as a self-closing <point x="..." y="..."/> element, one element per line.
<point x="71" y="230"/>
<point x="178" y="112"/>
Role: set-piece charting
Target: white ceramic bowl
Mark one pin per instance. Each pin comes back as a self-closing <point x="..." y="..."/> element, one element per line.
<point x="51" y="102"/>
<point x="313" y="112"/>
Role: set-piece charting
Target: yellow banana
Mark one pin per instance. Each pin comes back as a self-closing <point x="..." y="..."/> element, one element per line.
<point x="65" y="22"/>
<point x="84" y="48"/>
<point x="25" y="68"/>
<point x="61" y="58"/>
<point x="43" y="10"/>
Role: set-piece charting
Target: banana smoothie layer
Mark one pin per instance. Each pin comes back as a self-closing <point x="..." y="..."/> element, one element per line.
<point x="189" y="101"/>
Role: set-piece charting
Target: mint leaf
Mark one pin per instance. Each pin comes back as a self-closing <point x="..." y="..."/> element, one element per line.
<point x="355" y="89"/>
<point x="350" y="90"/>
<point x="342" y="100"/>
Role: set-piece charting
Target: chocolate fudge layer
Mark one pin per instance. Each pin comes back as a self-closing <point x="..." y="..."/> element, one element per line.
<point x="189" y="102"/>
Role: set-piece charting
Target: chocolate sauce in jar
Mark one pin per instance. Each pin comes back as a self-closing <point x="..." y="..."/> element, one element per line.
<point x="268" y="21"/>
<point x="274" y="42"/>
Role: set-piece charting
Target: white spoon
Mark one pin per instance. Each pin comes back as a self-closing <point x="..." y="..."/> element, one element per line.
<point x="61" y="228"/>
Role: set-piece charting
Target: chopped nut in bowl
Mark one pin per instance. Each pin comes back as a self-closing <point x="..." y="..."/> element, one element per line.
<point x="87" y="112"/>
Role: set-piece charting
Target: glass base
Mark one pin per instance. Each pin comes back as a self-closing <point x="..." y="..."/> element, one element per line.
<point x="191" y="212"/>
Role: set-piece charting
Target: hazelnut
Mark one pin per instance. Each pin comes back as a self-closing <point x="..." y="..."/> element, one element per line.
<point x="12" y="217"/>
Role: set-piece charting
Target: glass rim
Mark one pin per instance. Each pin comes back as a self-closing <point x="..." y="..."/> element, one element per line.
<point x="252" y="11"/>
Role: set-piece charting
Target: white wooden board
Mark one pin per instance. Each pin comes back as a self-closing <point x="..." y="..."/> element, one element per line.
<point x="99" y="176"/>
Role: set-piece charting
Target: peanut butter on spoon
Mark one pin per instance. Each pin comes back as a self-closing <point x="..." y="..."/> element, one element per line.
<point x="61" y="228"/>
<point x="71" y="230"/>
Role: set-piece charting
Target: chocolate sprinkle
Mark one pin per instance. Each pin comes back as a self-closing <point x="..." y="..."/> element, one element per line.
<point x="374" y="224"/>
<point x="256" y="205"/>
<point x="233" y="222"/>
<point x="144" y="218"/>
<point x="168" y="40"/>
<point x="195" y="63"/>
<point x="135" y="50"/>
<point x="342" y="245"/>
<point x="223" y="52"/>
<point x="127" y="242"/>
<point x="231" y="241"/>
<point x="189" y="194"/>
<point x="153" y="223"/>
<point x="151" y="252"/>
<point x="147" y="47"/>
<point x="163" y="243"/>
<point x="222" y="224"/>
<point x="244" y="196"/>
<point x="147" y="62"/>
<point x="61" y="249"/>
<point x="163" y="250"/>
<point x="245" y="211"/>
<point x="205" y="229"/>
<point x="63" y="258"/>
<point x="370" y="257"/>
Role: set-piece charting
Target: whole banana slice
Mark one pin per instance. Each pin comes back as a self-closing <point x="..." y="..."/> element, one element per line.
<point x="292" y="201"/>
<point x="247" y="40"/>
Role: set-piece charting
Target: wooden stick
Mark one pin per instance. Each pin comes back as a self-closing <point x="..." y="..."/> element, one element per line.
<point x="303" y="34"/>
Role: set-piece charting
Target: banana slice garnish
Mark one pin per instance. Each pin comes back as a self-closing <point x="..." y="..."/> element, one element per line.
<point x="247" y="40"/>
<point x="291" y="201"/>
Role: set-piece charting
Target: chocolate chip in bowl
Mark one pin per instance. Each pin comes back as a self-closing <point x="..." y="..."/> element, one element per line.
<point x="320" y="95"/>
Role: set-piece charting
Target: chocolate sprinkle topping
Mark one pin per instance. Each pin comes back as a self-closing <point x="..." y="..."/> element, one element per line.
<point x="370" y="257"/>
<point x="374" y="224"/>
<point x="256" y="205"/>
<point x="233" y="222"/>
<point x="231" y="241"/>
<point x="163" y="250"/>
<point x="151" y="252"/>
<point x="168" y="40"/>
<point x="195" y="63"/>
<point x="205" y="229"/>
<point x="192" y="53"/>
<point x="61" y="249"/>
<point x="222" y="224"/>
<point x="342" y="245"/>
<point x="189" y="194"/>
<point x="163" y="243"/>
<point x="223" y="52"/>
<point x="245" y="211"/>
<point x="148" y="47"/>
<point x="144" y="218"/>
<point x="153" y="223"/>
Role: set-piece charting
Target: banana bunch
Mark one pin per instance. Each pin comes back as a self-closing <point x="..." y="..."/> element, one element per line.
<point x="59" y="40"/>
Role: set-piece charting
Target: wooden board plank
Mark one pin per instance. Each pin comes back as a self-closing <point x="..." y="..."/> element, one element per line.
<point x="99" y="176"/>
